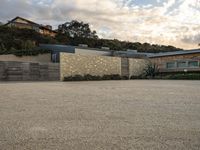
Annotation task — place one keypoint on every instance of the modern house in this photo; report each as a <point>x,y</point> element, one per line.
<point>82,60</point>
<point>178,61</point>
<point>20,22</point>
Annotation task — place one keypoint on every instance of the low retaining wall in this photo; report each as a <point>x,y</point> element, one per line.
<point>26,71</point>
<point>44,58</point>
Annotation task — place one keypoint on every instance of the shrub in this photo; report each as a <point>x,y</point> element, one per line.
<point>151,71</point>
<point>89,77</point>
<point>112,77</point>
<point>33,52</point>
<point>183,76</point>
<point>125,78</point>
<point>74,78</point>
<point>93,78</point>
<point>138,77</point>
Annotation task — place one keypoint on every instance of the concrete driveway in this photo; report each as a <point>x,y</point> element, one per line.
<point>104,115</point>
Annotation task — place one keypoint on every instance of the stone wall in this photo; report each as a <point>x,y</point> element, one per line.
<point>26,71</point>
<point>137,66</point>
<point>40,58</point>
<point>76,64</point>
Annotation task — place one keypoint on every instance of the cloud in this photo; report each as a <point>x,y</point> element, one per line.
<point>192,39</point>
<point>156,21</point>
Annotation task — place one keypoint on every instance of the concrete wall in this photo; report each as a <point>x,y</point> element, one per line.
<point>86,51</point>
<point>40,58</point>
<point>26,71</point>
<point>74,64</point>
<point>137,66</point>
<point>124,67</point>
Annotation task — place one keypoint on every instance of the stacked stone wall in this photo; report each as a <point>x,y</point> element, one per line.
<point>26,71</point>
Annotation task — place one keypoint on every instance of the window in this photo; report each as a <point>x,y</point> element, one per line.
<point>170,65</point>
<point>181,64</point>
<point>193,64</point>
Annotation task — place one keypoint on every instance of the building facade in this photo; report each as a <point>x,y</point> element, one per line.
<point>177,61</point>
<point>183,61</point>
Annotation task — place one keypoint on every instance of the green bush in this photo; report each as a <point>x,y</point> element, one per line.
<point>112,77</point>
<point>33,52</point>
<point>183,76</point>
<point>92,78</point>
<point>74,78</point>
<point>138,77</point>
<point>89,77</point>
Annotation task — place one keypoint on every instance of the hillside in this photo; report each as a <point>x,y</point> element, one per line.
<point>25,42</point>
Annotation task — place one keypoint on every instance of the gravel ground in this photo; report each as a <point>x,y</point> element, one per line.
<point>104,115</point>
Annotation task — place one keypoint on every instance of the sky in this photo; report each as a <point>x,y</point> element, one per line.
<point>167,22</point>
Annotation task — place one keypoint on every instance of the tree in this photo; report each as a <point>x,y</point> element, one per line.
<point>62,38</point>
<point>77,29</point>
<point>2,48</point>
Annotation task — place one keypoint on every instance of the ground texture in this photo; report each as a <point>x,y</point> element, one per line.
<point>104,115</point>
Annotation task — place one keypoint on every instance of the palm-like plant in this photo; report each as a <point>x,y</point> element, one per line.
<point>151,70</point>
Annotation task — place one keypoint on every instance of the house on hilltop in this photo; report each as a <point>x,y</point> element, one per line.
<point>20,22</point>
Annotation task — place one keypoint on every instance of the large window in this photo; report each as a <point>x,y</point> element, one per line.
<point>193,64</point>
<point>181,64</point>
<point>171,65</point>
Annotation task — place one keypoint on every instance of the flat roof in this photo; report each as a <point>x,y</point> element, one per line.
<point>60,48</point>
<point>69,48</point>
<point>96,49</point>
<point>184,52</point>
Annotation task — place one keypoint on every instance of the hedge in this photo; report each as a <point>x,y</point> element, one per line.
<point>94,78</point>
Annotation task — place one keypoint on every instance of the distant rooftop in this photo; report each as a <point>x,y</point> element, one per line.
<point>31,22</point>
<point>60,48</point>
<point>96,49</point>
<point>184,52</point>
<point>69,48</point>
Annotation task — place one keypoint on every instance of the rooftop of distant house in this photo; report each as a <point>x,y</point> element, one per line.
<point>31,22</point>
